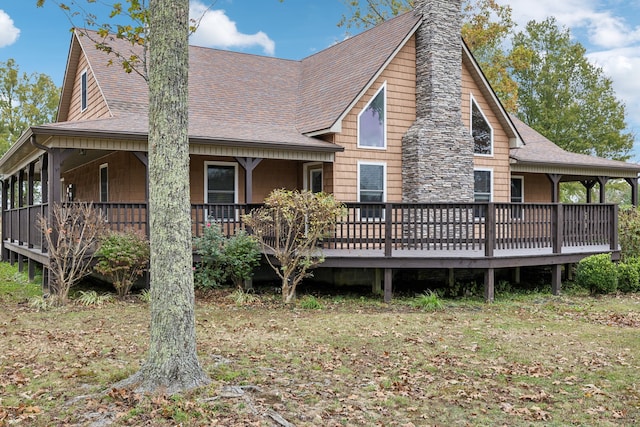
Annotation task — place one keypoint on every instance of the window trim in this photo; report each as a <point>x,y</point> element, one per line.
<point>473,101</point>
<point>382,87</point>
<point>206,179</point>
<point>105,167</point>
<point>306,170</point>
<point>490,170</point>
<point>384,188</point>
<point>84,90</point>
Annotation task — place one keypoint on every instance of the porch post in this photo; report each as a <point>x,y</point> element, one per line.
<point>144,159</point>
<point>555,186</point>
<point>602,180</point>
<point>44,177</point>
<point>633,182</point>
<point>613,230</point>
<point>588,185</point>
<point>4,196</point>
<point>32,169</point>
<point>557,228</point>
<point>490,230</point>
<point>249,164</point>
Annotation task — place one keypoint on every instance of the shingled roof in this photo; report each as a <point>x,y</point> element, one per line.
<point>539,153</point>
<point>247,98</point>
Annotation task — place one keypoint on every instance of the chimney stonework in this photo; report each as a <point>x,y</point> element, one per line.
<point>437,159</point>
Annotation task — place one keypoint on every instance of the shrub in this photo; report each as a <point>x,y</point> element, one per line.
<point>629,275</point>
<point>122,258</point>
<point>598,274</point>
<point>210,271</point>
<point>72,234</point>
<point>629,232</point>
<point>223,259</point>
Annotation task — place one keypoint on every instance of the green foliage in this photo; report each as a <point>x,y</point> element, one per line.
<point>629,275</point>
<point>240,297</point>
<point>15,286</point>
<point>122,258</point>
<point>223,258</point>
<point>145,296</point>
<point>565,97</point>
<point>290,226</point>
<point>309,302</point>
<point>90,298</point>
<point>428,301</point>
<point>629,232</point>
<point>25,100</point>
<point>598,274</point>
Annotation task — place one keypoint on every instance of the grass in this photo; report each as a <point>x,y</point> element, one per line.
<point>528,360</point>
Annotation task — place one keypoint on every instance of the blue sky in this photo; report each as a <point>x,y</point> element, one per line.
<point>38,38</point>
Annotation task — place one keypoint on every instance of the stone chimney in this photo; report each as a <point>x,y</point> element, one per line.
<point>437,159</point>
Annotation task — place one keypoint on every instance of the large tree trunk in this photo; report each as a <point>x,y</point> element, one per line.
<point>172,364</point>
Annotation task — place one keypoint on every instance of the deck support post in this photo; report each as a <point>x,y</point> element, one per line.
<point>452,277</point>
<point>517,275</point>
<point>376,287</point>
<point>20,263</point>
<point>31,269</point>
<point>388,284</point>
<point>12,257</point>
<point>489,284</point>
<point>556,279</point>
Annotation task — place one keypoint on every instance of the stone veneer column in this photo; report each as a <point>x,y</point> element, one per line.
<point>437,159</point>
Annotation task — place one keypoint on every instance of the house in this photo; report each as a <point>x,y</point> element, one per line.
<point>398,122</point>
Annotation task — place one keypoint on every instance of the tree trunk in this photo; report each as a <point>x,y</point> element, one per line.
<point>172,364</point>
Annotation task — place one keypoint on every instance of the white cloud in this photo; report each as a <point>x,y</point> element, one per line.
<point>217,30</point>
<point>8,31</point>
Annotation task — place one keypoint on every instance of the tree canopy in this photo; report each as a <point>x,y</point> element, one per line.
<point>565,97</point>
<point>25,100</point>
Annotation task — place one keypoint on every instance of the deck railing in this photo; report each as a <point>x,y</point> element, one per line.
<point>390,227</point>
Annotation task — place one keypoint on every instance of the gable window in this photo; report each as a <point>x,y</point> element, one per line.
<point>372,185</point>
<point>83,90</point>
<point>372,122</point>
<point>481,131</point>
<point>104,183</point>
<point>482,185</point>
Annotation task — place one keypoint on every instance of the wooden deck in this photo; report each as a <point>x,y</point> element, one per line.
<point>394,235</point>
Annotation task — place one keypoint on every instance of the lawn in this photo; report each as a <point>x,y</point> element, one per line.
<point>524,360</point>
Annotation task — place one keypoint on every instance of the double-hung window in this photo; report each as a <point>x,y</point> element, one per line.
<point>517,196</point>
<point>221,187</point>
<point>482,189</point>
<point>372,121</point>
<point>372,188</point>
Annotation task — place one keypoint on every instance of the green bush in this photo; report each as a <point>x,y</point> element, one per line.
<point>223,259</point>
<point>428,301</point>
<point>629,232</point>
<point>629,275</point>
<point>122,258</point>
<point>598,274</point>
<point>209,272</point>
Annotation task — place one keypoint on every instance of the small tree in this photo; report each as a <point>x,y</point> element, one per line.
<point>122,258</point>
<point>73,236</point>
<point>289,227</point>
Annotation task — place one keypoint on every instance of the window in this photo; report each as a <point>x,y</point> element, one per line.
<point>372,122</point>
<point>104,183</point>
<point>83,90</point>
<point>481,190</point>
<point>371,188</point>
<point>517,196</point>
<point>481,131</point>
<point>221,183</point>
<point>313,177</point>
